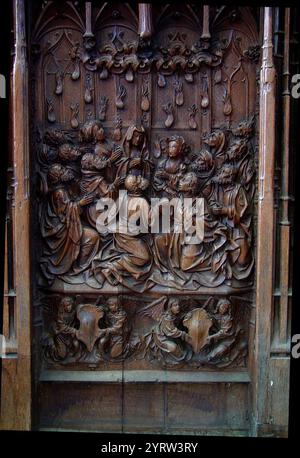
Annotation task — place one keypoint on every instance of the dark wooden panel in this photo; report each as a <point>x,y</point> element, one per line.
<point>210,407</point>
<point>85,407</point>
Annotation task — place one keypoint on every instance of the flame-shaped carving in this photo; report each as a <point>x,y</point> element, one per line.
<point>59,83</point>
<point>117,135</point>
<point>169,110</point>
<point>145,105</point>
<point>161,80</point>
<point>227,110</point>
<point>103,107</point>
<point>121,94</point>
<point>50,110</point>
<point>74,107</point>
<point>192,115</point>
<point>178,93</point>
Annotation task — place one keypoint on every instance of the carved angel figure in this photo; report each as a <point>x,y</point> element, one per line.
<point>62,339</point>
<point>114,340</point>
<point>167,341</point>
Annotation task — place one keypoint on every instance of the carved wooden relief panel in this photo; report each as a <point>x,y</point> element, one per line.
<point>159,102</point>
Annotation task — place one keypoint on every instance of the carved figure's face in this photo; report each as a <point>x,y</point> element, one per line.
<point>99,134</point>
<point>67,174</point>
<point>215,139</point>
<point>136,183</point>
<point>67,304</point>
<point>212,139</point>
<point>68,152</point>
<point>174,148</point>
<point>226,175</point>
<point>237,150</point>
<point>59,173</point>
<point>224,308</point>
<point>137,138</point>
<point>188,183</point>
<point>175,308</point>
<point>113,306</point>
<point>203,162</point>
<point>87,161</point>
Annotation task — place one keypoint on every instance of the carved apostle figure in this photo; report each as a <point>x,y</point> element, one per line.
<point>239,155</point>
<point>216,140</point>
<point>94,182</point>
<point>114,340</point>
<point>93,132</point>
<point>209,255</point>
<point>61,341</point>
<point>228,202</point>
<point>69,245</point>
<point>127,259</point>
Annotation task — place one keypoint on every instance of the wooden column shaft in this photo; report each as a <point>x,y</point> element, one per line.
<point>16,376</point>
<point>266,224</point>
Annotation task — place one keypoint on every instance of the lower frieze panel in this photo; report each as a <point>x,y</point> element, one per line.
<point>88,332</point>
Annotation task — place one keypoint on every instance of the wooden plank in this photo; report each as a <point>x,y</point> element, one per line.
<point>145,376</point>
<point>83,407</point>
<point>210,407</point>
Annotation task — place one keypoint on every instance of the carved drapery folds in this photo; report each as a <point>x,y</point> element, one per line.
<point>160,108</point>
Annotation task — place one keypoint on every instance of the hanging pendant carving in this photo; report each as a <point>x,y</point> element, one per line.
<point>103,104</point>
<point>192,115</point>
<point>59,83</point>
<point>74,107</point>
<point>169,110</point>
<point>50,110</point>
<point>121,94</point>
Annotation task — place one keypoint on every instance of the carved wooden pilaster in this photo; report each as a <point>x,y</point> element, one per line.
<point>264,383</point>
<point>284,220</point>
<point>16,375</point>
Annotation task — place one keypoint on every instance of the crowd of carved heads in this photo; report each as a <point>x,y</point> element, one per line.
<point>76,171</point>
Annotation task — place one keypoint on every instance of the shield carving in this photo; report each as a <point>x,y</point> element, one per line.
<point>198,324</point>
<point>89,331</point>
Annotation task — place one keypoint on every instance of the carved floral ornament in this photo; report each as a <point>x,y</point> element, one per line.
<point>119,55</point>
<point>137,56</point>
